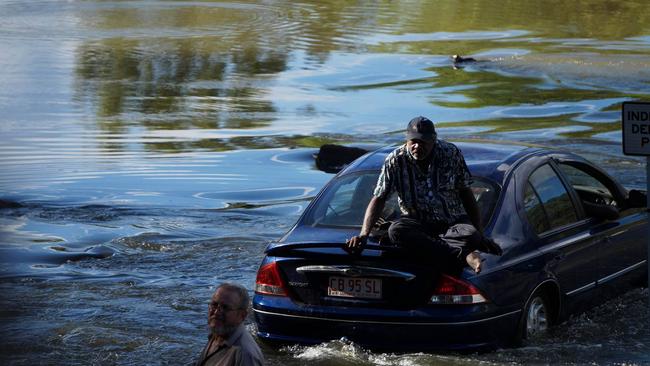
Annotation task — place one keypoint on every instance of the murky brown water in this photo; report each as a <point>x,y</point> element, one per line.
<point>150,149</point>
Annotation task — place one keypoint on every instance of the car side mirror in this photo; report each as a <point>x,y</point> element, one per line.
<point>605,212</point>
<point>637,198</point>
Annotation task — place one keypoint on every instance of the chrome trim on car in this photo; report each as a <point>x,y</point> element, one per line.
<point>387,322</point>
<point>565,242</point>
<point>586,287</point>
<point>608,278</point>
<point>622,272</point>
<point>619,233</point>
<point>356,271</point>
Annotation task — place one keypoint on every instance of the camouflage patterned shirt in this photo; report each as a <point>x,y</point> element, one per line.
<point>430,196</point>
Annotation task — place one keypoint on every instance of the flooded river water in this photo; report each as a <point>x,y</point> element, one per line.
<point>150,150</point>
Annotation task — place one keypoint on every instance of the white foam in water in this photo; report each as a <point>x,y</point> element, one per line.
<point>621,336</point>
<point>344,352</point>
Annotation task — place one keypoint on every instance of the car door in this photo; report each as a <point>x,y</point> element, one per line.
<point>621,252</point>
<point>570,251</point>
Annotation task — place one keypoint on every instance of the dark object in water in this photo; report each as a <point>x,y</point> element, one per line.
<point>460,59</point>
<point>9,204</point>
<point>332,158</point>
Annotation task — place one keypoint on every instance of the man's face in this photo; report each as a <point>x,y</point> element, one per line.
<point>224,312</point>
<point>419,149</point>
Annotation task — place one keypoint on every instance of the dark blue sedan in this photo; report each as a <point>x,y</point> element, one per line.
<point>572,237</point>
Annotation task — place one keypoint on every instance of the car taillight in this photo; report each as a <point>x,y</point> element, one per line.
<point>269,281</point>
<point>452,290</point>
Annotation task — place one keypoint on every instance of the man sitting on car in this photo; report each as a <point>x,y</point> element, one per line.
<point>440,218</point>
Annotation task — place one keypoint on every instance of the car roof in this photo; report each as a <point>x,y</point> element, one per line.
<point>490,160</point>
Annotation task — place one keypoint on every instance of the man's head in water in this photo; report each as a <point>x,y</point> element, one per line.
<point>227,309</point>
<point>420,137</point>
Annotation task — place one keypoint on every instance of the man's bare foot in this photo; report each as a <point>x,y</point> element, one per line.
<point>474,261</point>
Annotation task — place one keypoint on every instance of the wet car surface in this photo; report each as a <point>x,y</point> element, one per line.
<point>568,230</point>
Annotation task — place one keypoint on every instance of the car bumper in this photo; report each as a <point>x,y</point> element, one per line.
<point>426,329</point>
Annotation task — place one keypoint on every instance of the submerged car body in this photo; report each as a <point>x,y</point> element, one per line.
<point>570,239</point>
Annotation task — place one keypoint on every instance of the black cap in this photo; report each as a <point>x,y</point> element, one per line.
<point>421,128</point>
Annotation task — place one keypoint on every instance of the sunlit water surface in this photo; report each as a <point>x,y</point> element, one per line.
<point>151,149</point>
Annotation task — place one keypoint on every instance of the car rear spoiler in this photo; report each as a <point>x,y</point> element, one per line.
<point>281,250</point>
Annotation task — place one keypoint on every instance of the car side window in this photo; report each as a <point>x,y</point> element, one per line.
<point>553,198</point>
<point>589,188</point>
<point>536,215</point>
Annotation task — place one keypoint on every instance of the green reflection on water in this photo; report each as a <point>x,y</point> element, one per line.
<point>208,66</point>
<point>249,143</point>
<point>600,19</point>
<point>492,89</point>
<point>122,76</point>
<point>580,129</point>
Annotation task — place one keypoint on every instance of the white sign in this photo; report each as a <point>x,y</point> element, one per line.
<point>636,128</point>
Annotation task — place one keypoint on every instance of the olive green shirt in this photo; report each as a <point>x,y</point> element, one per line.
<point>239,349</point>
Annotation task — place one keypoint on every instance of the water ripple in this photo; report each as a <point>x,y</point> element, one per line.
<point>447,36</point>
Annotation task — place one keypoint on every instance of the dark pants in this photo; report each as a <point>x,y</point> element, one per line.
<point>441,245</point>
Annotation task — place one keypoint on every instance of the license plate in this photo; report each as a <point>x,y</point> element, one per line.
<point>354,287</point>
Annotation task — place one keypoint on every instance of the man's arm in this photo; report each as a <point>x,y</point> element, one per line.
<point>471,207</point>
<point>356,243</point>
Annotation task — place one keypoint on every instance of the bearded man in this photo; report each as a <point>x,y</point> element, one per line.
<point>229,343</point>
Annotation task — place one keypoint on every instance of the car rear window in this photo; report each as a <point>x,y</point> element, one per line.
<point>343,202</point>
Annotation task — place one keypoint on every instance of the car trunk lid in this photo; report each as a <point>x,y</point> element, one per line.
<point>324,274</point>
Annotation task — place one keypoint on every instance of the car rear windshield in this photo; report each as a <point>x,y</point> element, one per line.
<point>344,201</point>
